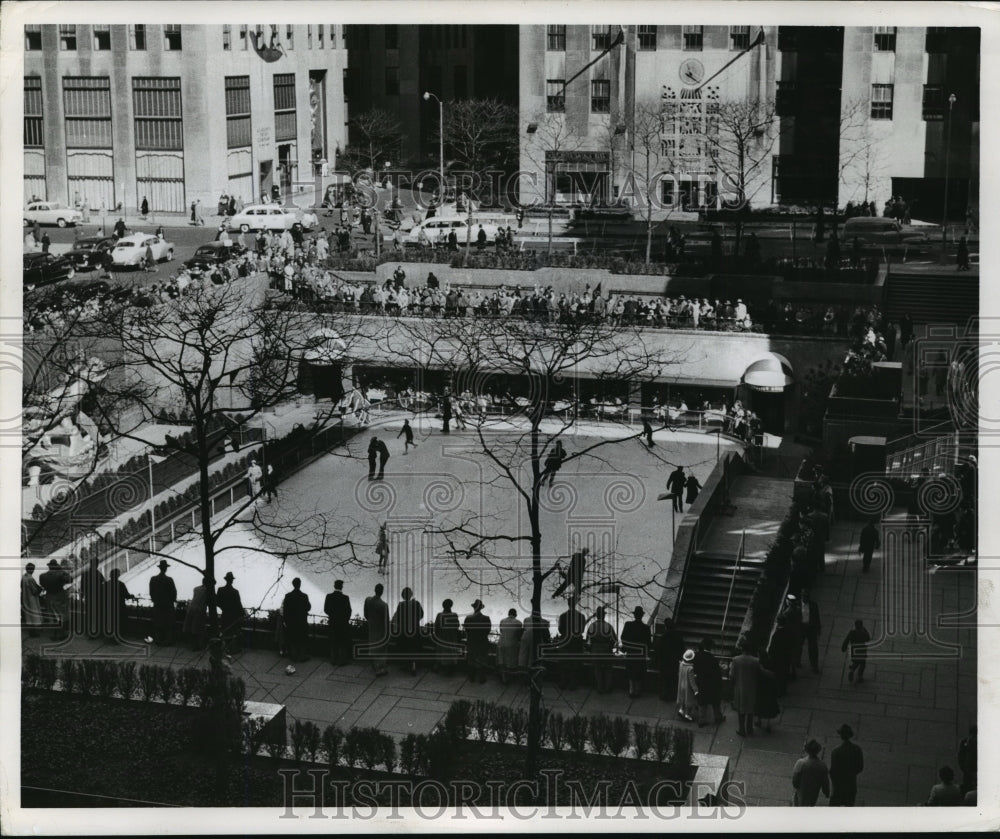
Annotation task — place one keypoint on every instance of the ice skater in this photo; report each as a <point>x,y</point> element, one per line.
<point>554,462</point>
<point>372,457</point>
<point>647,432</point>
<point>382,549</point>
<point>383,457</point>
<point>408,440</point>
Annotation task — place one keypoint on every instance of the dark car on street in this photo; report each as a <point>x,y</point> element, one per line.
<point>91,252</point>
<point>46,268</point>
<point>214,253</point>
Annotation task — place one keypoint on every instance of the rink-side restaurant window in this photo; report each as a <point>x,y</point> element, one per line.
<point>555,38</point>
<point>647,37</point>
<point>172,37</point>
<point>67,37</point>
<point>882,101</point>
<point>137,36</point>
<point>885,39</point>
<point>34,134</point>
<point>32,37</point>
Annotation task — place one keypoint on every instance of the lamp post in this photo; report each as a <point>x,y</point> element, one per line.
<point>947,161</point>
<point>427,97</point>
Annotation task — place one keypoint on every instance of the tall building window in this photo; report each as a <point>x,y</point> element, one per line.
<point>461,81</point>
<point>87,106</point>
<point>102,36</point>
<point>392,81</point>
<point>600,37</point>
<point>156,103</point>
<point>555,96</point>
<point>137,36</point>
<point>933,103</point>
<point>694,37</point>
<point>309,36</point>
<point>32,37</point>
<point>67,37</point>
<point>333,37</point>
<point>647,37</point>
<point>739,37</point>
<point>600,96</point>
<point>34,136</point>
<point>881,101</point>
<point>237,111</point>
<point>284,106</point>
<point>392,37</point>
<point>172,36</point>
<point>227,36</point>
<point>935,39</point>
<point>290,36</point>
<point>243,37</point>
<point>320,34</point>
<point>885,38</point>
<point>555,38</point>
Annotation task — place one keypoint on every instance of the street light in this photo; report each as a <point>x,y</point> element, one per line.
<point>427,98</point>
<point>947,161</point>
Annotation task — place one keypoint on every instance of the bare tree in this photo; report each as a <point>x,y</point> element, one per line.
<point>481,135</point>
<point>520,447</point>
<point>552,136</point>
<point>648,142</point>
<point>377,136</point>
<point>862,161</point>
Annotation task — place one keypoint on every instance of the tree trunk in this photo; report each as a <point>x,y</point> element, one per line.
<point>205,503</point>
<point>535,703</point>
<point>649,215</point>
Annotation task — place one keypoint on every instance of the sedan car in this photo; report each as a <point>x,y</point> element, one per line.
<point>51,212</point>
<point>873,230</point>
<point>212,254</point>
<point>91,252</point>
<point>271,217</point>
<point>131,250</point>
<point>45,268</point>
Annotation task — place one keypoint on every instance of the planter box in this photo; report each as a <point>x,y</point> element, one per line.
<point>861,406</point>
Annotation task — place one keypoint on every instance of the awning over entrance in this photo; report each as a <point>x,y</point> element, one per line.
<point>324,347</point>
<point>770,374</point>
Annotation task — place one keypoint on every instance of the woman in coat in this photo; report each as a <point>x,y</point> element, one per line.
<point>406,627</point>
<point>446,643</point>
<point>509,644</point>
<point>693,488</point>
<point>766,706</point>
<point>636,643</point>
<point>687,688</point>
<point>196,617</point>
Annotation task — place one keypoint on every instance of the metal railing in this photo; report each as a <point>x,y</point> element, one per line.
<point>732,585</point>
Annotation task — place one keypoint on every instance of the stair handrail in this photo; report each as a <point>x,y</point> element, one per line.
<point>732,585</point>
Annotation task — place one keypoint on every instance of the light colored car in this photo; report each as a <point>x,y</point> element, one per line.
<point>873,230</point>
<point>131,250</point>
<point>271,217</point>
<point>51,212</point>
<point>438,228</point>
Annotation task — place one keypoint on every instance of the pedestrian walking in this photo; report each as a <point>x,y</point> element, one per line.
<point>295,608</point>
<point>383,458</point>
<point>382,549</point>
<point>31,603</point>
<point>636,644</point>
<point>809,637</point>
<point>406,432</point>
<point>687,688</point>
<point>509,644</point>
<point>810,777</point>
<point>668,647</point>
<point>647,432</point>
<point>856,644</point>
<point>149,261</point>
<point>868,544</point>
<point>693,488</point>
<point>446,415</point>
<point>744,676</point>
<point>254,476</point>
<point>946,793</point>
<point>675,486</point>
<point>46,241</point>
<point>144,207</point>
<point>708,675</point>
<point>477,637</point>
<point>405,628</point>
<point>116,595</point>
<point>337,607</point>
<point>270,484</point>
<point>766,707</point>
<point>446,640</point>
<point>602,639</point>
<point>163,593</point>
<point>196,616</point>
<point>377,618</point>
<point>231,614</point>
<point>372,457</point>
<point>846,762</point>
<point>963,254</point>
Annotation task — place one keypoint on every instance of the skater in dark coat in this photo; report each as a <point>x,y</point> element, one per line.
<point>383,457</point>
<point>372,457</point>
<point>407,433</point>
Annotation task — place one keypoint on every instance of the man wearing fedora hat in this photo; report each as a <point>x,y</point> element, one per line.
<point>31,606</point>
<point>55,581</point>
<point>846,763</point>
<point>230,606</point>
<point>163,593</point>
<point>477,636</point>
<point>636,643</point>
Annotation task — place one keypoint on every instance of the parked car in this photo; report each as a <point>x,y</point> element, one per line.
<point>872,230</point>
<point>51,212</point>
<point>131,250</point>
<point>211,254</point>
<point>91,252</point>
<point>46,268</point>
<point>271,217</point>
<point>438,228</point>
